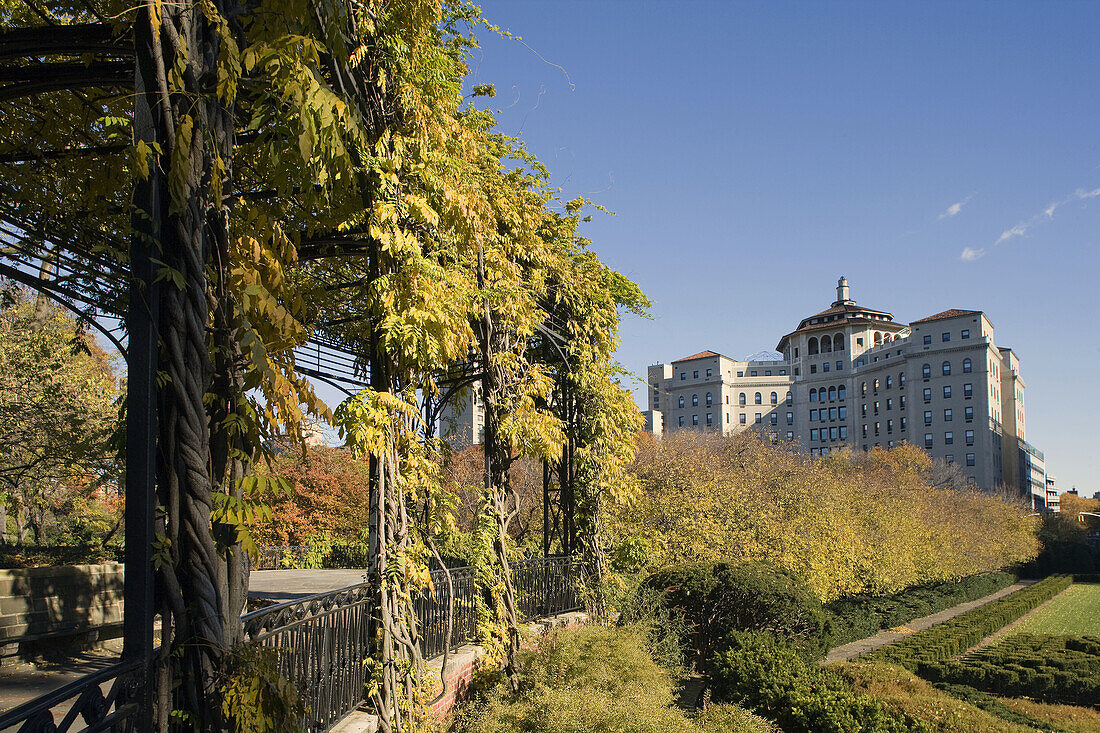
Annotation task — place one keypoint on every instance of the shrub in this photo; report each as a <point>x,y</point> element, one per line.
<point>592,679</point>
<point>1049,668</point>
<point>725,718</point>
<point>858,617</point>
<point>719,599</point>
<point>955,636</point>
<point>771,677</point>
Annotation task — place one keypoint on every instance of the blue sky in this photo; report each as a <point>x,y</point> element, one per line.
<point>754,152</point>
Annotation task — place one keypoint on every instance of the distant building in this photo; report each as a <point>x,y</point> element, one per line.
<point>462,422</point>
<point>1052,503</point>
<point>851,376</point>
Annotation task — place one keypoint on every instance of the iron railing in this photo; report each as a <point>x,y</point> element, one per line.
<point>322,642</point>
<point>281,556</point>
<point>81,705</point>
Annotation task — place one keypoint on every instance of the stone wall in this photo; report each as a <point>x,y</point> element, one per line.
<point>55,608</point>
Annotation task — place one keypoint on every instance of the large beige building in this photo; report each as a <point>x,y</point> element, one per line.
<point>852,377</point>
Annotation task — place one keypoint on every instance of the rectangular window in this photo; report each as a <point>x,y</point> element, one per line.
<point>859,341</point>
<point>743,418</point>
<point>813,434</point>
<point>825,367</point>
<point>842,413</point>
<point>928,440</point>
<point>694,419</point>
<point>965,333</point>
<point>901,402</point>
<point>903,423</point>
<point>970,459</point>
<point>968,413</point>
<point>681,421</point>
<point>790,435</point>
<point>843,432</point>
<point>889,404</point>
<point>839,366</point>
<point>710,418</point>
<point>889,427</point>
<point>832,433</point>
<point>813,368</point>
<point>928,340</point>
<point>949,458</point>
<point>759,418</point>
<point>889,382</point>
<point>782,372</point>
<point>864,431</point>
<point>968,391</point>
<point>709,372</point>
<point>875,406</point>
<point>775,418</point>
<point>740,374</point>
<point>863,410</point>
<point>946,336</point>
<point>876,429</point>
<point>790,418</point>
<point>947,391</point>
<point>752,373</point>
<point>948,438</point>
<point>813,415</point>
<point>767,372</point>
<point>970,437</point>
<point>947,414</point>
<point>695,374</point>
<point>683,376</point>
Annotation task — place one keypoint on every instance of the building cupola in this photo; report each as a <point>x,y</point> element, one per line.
<point>842,294</point>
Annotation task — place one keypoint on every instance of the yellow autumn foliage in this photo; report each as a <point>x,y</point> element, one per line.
<point>848,523</point>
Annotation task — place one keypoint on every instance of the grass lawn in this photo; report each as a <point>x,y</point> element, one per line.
<point>1075,612</point>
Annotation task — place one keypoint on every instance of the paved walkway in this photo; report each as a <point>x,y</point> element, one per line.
<point>287,585</point>
<point>864,646</point>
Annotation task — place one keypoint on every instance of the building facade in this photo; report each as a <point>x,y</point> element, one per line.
<point>853,377</point>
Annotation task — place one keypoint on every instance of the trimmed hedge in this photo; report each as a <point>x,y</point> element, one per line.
<point>775,680</point>
<point>1063,669</point>
<point>859,617</point>
<point>954,637</point>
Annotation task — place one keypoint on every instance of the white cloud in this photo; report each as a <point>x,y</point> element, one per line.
<point>969,254</point>
<point>1081,194</point>
<point>1017,231</point>
<point>954,208</point>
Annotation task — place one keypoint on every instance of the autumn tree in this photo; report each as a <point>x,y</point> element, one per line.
<point>848,523</point>
<point>58,413</point>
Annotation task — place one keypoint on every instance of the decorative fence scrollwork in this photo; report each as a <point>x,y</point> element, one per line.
<point>81,704</point>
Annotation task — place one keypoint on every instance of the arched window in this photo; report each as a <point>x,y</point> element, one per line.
<point>759,399</point>
<point>775,398</point>
<point>811,346</point>
<point>878,337</point>
<point>790,398</point>
<point>968,366</point>
<point>832,393</point>
<point>826,345</point>
<point>709,399</point>
<point>841,392</point>
<point>926,371</point>
<point>813,395</point>
<point>694,400</point>
<point>947,369</point>
<point>901,379</point>
<point>741,399</point>
<point>838,342</point>
<point>863,389</point>
<point>681,400</point>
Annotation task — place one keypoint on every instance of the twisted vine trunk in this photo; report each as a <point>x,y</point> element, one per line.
<point>201,603</point>
<point>498,495</point>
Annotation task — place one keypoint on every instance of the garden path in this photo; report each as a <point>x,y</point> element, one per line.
<point>858,648</point>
